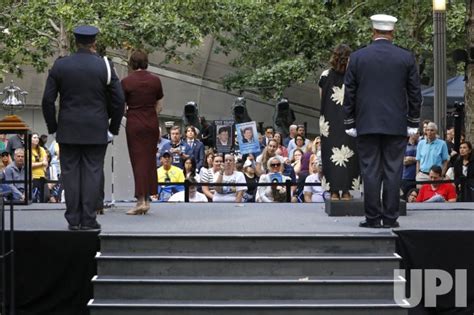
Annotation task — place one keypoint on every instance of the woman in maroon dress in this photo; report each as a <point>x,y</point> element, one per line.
<point>143,95</point>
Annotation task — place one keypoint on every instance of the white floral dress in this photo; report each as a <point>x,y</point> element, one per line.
<point>338,150</point>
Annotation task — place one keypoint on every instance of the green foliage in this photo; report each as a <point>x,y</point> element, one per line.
<point>283,42</point>
<point>32,31</point>
<point>278,43</point>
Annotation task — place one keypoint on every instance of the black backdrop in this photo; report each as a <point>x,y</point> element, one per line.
<point>446,250</point>
<point>54,268</point>
<point>53,271</point>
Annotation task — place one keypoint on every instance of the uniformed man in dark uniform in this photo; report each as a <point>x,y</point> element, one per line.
<point>90,95</point>
<point>382,102</point>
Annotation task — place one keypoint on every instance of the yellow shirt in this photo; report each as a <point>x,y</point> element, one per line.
<point>173,175</point>
<point>38,171</point>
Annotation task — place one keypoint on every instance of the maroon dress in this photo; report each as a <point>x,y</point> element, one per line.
<point>142,90</point>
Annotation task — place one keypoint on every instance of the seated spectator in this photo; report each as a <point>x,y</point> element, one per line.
<point>194,195</point>
<point>207,164</point>
<point>436,192</point>
<point>190,169</point>
<point>6,160</point>
<point>228,174</point>
<point>296,161</point>
<point>262,159</point>
<point>277,191</point>
<point>409,165</point>
<point>299,145</point>
<point>16,172</point>
<point>412,194</point>
<point>464,173</point>
<point>281,150</point>
<point>314,193</point>
<point>208,177</point>
<point>168,173</point>
<point>251,179</point>
<point>300,131</point>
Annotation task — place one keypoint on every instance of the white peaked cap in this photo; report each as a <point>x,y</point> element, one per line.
<point>383,22</point>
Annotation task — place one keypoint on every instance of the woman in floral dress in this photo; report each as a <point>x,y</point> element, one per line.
<point>338,150</point>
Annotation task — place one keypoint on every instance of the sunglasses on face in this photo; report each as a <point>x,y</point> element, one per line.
<point>275,165</point>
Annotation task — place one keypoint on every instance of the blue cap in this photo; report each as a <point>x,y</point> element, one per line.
<point>85,34</point>
<point>166,152</point>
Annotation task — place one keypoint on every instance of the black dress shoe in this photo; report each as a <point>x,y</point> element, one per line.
<point>95,226</point>
<point>391,224</point>
<point>370,224</point>
<point>74,227</point>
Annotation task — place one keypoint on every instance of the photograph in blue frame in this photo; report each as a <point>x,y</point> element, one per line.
<point>247,137</point>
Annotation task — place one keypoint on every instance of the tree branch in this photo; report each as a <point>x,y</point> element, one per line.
<point>56,28</point>
<point>46,35</point>
<point>357,6</point>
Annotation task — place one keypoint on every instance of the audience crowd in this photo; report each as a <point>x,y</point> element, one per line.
<point>293,158</point>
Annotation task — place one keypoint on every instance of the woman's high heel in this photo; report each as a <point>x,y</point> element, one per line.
<point>139,209</point>
<point>145,208</point>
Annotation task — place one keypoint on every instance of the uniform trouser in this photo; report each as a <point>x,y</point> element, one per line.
<point>381,163</point>
<point>82,169</point>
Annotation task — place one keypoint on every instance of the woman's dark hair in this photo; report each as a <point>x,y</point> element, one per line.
<point>469,145</point>
<point>340,58</point>
<point>281,138</point>
<point>42,140</point>
<point>410,192</point>
<point>193,166</point>
<point>37,148</point>
<point>208,152</point>
<point>138,60</point>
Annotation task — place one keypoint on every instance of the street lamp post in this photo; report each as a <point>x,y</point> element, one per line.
<point>439,58</point>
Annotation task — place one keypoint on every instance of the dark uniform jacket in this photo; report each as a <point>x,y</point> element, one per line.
<point>382,90</point>
<point>86,101</point>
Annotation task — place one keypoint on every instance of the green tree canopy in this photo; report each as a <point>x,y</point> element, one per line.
<point>278,43</point>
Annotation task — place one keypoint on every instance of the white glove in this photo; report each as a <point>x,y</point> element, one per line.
<point>110,137</point>
<point>352,132</point>
<point>411,131</point>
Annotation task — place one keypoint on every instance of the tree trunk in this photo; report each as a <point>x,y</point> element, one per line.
<point>469,122</point>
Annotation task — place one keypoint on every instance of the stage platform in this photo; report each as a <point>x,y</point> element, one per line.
<point>231,218</point>
<point>54,266</point>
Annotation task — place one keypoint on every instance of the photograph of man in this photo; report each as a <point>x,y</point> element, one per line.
<point>247,135</point>
<point>223,141</point>
<point>247,138</point>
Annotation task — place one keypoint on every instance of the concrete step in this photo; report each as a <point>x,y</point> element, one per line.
<point>247,266</point>
<point>243,288</point>
<point>277,244</point>
<point>236,307</point>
